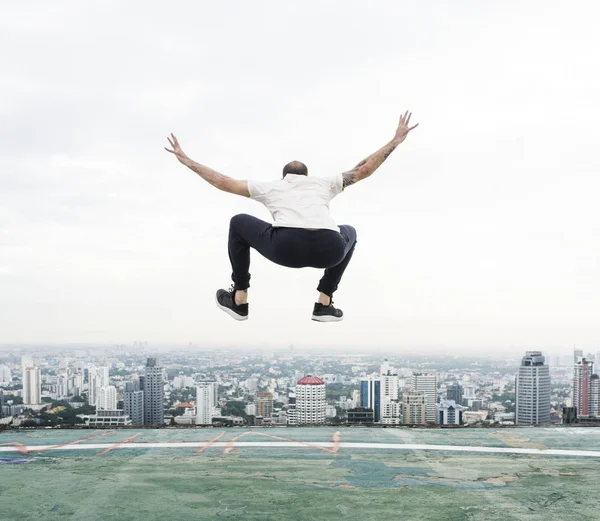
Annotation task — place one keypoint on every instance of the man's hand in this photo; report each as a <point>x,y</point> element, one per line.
<point>176,148</point>
<point>403,128</point>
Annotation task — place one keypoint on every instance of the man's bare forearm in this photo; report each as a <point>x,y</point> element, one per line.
<point>367,166</point>
<point>216,179</point>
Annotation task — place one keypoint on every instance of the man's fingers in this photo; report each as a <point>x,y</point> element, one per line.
<point>175,139</point>
<point>414,126</point>
<point>170,142</point>
<point>172,151</point>
<point>408,119</point>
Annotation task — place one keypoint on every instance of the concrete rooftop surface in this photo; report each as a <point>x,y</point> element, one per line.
<point>263,474</point>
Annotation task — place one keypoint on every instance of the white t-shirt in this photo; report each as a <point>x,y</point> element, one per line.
<point>299,201</point>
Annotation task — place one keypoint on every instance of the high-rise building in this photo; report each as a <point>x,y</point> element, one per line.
<point>449,413</point>
<point>533,390</point>
<point>5,375</point>
<point>310,400</point>
<point>206,402</point>
<point>97,378</point>
<point>1,402</point>
<point>264,404</point>
<point>32,383</point>
<point>454,392</point>
<point>107,399</point>
<point>154,394</point>
<point>370,395</point>
<point>582,378</point>
<point>427,384</point>
<point>414,407</point>
<point>594,404</point>
<point>390,406</point>
<point>133,402</point>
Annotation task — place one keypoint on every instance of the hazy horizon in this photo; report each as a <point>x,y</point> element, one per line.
<point>479,232</point>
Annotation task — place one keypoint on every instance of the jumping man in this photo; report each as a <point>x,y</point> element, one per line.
<point>303,234</point>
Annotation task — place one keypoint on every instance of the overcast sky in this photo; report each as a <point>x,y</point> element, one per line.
<point>481,231</point>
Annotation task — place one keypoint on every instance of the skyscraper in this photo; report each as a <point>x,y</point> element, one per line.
<point>264,404</point>
<point>5,375</point>
<point>454,392</point>
<point>32,383</point>
<point>390,407</point>
<point>533,390</point>
<point>582,377</point>
<point>427,384</point>
<point>310,400</point>
<point>154,394</point>
<point>107,398</point>
<point>133,402</point>
<point>206,402</point>
<point>370,396</point>
<point>97,378</point>
<point>414,407</point>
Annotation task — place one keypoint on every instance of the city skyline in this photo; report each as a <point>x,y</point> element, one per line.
<point>492,200</point>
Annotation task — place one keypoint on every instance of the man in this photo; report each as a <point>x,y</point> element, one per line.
<point>303,234</point>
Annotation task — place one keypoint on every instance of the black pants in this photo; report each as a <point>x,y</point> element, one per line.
<point>291,247</point>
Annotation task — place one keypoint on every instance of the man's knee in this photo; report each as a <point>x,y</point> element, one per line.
<point>349,232</point>
<point>237,221</point>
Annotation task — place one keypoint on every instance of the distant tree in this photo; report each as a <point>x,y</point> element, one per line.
<point>16,400</point>
<point>234,408</point>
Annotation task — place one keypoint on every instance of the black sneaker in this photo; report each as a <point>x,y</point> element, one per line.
<point>322,313</point>
<point>226,301</point>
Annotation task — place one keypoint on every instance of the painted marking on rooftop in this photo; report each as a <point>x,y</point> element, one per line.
<point>210,443</point>
<point>74,442</point>
<point>329,446</point>
<point>109,447</point>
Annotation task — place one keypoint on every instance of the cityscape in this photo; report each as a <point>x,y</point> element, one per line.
<point>123,386</point>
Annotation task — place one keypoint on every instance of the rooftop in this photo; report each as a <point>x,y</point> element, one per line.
<point>506,474</point>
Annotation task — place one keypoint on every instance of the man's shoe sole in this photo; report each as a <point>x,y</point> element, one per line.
<point>327,318</point>
<point>230,311</point>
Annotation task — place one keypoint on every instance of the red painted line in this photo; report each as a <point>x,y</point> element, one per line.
<point>305,443</point>
<point>210,443</point>
<point>230,446</point>
<point>75,442</point>
<point>20,447</point>
<point>112,447</point>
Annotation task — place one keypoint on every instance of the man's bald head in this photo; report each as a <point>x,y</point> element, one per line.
<point>296,168</point>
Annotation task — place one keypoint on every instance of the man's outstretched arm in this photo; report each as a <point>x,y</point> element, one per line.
<point>367,166</point>
<point>220,181</point>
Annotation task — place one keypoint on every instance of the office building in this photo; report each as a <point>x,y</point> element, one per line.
<point>454,392</point>
<point>449,413</point>
<point>310,401</point>
<point>106,418</point>
<point>360,415</point>
<point>370,396</point>
<point>264,404</point>
<point>414,407</point>
<point>533,390</point>
<point>427,384</point>
<point>582,379</point>
<point>154,393</point>
<point>133,402</point>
